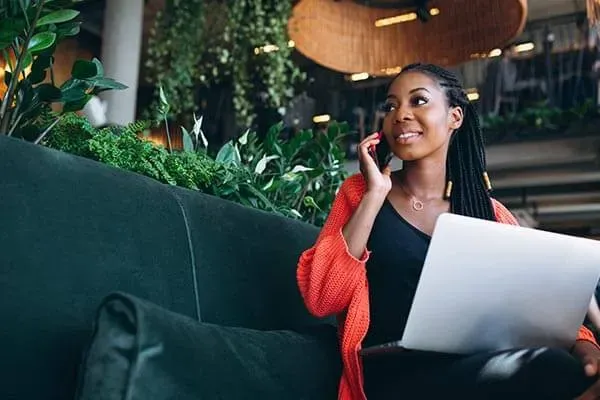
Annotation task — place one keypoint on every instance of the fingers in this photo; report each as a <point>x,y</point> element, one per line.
<point>590,365</point>
<point>371,137</point>
<point>364,156</point>
<point>591,369</point>
<point>370,140</point>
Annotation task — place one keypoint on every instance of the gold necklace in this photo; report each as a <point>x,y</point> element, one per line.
<point>416,204</point>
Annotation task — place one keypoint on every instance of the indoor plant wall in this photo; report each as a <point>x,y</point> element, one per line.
<point>29,33</point>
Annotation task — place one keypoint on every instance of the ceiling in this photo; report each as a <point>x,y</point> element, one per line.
<point>538,9</point>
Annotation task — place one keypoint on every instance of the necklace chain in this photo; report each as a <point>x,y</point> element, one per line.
<point>416,204</point>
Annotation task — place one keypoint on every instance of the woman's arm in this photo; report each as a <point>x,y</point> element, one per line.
<point>329,272</point>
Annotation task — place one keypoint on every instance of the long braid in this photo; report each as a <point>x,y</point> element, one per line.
<point>466,161</point>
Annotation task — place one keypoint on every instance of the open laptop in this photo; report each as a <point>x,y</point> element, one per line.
<point>488,286</point>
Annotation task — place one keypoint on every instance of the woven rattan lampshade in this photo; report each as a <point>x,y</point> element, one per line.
<point>342,35</point>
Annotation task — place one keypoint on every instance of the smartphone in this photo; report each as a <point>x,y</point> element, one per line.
<point>381,153</point>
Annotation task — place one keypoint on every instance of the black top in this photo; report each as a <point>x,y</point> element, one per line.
<point>398,252</point>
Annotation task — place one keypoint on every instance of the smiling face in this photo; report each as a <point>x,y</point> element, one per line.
<point>419,122</point>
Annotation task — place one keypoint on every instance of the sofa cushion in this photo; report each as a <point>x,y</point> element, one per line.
<point>141,351</point>
<point>246,263</point>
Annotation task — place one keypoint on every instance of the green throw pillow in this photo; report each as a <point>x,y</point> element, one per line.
<point>140,351</point>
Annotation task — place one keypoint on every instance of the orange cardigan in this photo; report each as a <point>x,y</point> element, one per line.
<point>332,281</point>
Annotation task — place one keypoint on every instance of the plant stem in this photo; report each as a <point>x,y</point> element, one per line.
<point>15,76</point>
<point>304,191</point>
<point>15,124</point>
<point>52,71</point>
<point>168,135</point>
<point>43,135</point>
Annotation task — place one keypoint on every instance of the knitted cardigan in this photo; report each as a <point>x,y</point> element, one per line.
<point>332,281</point>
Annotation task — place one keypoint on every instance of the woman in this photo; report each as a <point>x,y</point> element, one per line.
<point>371,250</point>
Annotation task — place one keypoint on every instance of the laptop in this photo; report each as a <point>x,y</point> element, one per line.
<point>488,286</point>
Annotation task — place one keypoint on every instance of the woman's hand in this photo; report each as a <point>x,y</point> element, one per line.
<point>589,354</point>
<point>378,183</point>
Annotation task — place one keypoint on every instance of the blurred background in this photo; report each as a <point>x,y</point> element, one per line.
<point>530,67</point>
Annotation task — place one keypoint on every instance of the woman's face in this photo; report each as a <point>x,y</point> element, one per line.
<point>418,121</point>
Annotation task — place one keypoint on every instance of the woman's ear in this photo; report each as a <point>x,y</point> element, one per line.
<point>455,118</point>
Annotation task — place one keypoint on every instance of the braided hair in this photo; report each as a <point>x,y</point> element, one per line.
<point>468,184</point>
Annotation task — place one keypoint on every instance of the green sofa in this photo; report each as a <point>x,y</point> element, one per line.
<point>211,284</point>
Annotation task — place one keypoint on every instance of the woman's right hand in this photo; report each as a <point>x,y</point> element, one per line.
<point>378,183</point>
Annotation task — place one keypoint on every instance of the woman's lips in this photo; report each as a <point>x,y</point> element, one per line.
<point>408,137</point>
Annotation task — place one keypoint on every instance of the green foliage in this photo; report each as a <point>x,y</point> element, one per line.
<point>31,31</point>
<point>541,120</point>
<point>224,40</point>
<point>297,177</point>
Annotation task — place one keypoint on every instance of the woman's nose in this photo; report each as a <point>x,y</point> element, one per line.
<point>403,114</point>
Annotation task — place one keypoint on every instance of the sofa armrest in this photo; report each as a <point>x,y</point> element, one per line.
<point>142,351</point>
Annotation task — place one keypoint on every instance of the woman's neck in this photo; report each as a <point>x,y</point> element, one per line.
<point>424,179</point>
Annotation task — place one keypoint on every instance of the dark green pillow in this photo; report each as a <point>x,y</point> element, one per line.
<point>140,351</point>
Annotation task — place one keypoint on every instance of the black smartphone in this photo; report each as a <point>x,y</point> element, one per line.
<point>381,153</point>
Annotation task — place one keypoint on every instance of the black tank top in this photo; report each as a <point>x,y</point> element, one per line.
<point>398,252</point>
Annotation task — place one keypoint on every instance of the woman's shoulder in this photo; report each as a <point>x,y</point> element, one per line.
<point>354,186</point>
<point>355,181</point>
<point>503,214</point>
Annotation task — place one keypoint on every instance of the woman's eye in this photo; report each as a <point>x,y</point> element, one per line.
<point>418,101</point>
<point>388,107</point>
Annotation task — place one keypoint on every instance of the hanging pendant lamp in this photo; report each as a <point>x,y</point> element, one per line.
<point>378,37</point>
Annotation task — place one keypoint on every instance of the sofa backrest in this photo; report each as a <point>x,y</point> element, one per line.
<point>246,263</point>
<point>73,230</point>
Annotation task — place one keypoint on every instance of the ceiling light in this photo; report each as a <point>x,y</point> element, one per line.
<point>412,16</point>
<point>495,53</point>
<point>359,77</point>
<point>319,119</point>
<point>523,47</point>
<point>391,70</point>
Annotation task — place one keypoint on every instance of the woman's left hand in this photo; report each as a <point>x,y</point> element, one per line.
<point>589,354</point>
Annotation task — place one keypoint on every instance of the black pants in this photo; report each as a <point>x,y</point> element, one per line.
<point>547,374</point>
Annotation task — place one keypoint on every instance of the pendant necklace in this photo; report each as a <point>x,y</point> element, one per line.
<point>416,204</point>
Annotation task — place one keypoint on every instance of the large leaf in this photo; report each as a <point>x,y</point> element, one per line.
<point>37,76</point>
<point>24,94</point>
<point>273,135</point>
<point>42,62</point>
<point>229,154</point>
<point>262,164</point>
<point>57,17</point>
<point>188,144</point>
<point>48,92</point>
<point>41,41</point>
<point>99,67</point>
<point>27,60</point>
<point>38,68</point>
<point>74,90</point>
<point>83,69</point>
<point>7,38</point>
<point>69,29</point>
<point>10,28</point>
<point>78,104</point>
<point>260,196</point>
<point>7,78</point>
<point>102,84</point>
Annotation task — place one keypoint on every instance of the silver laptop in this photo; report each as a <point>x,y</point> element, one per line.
<point>488,286</point>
